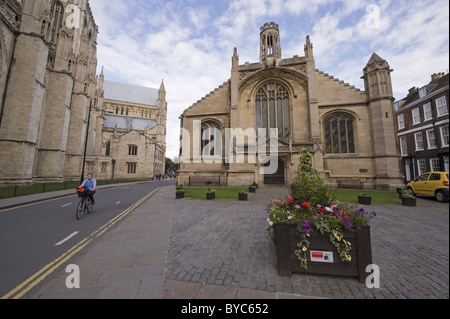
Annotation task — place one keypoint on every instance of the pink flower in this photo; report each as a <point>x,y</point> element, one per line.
<point>297,207</point>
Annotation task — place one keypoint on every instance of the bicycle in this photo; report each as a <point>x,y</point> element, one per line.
<point>85,204</point>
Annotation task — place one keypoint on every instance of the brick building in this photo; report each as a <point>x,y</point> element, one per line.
<point>423,127</point>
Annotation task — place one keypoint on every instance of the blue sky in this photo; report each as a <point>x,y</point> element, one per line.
<point>189,43</point>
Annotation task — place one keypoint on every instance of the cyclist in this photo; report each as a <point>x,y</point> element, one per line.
<point>90,187</point>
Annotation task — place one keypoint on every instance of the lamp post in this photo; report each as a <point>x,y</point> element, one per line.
<point>86,142</point>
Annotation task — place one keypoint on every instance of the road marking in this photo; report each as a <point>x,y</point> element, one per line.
<point>38,277</point>
<point>64,206</point>
<point>118,202</point>
<point>67,238</point>
<point>33,204</point>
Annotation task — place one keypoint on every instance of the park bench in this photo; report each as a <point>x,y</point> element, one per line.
<point>350,183</point>
<point>204,180</point>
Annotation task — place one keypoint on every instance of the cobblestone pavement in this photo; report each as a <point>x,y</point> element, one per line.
<point>225,243</point>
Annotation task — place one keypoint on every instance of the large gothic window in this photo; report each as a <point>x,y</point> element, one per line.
<point>273,109</point>
<point>339,133</point>
<point>211,142</point>
<point>56,21</point>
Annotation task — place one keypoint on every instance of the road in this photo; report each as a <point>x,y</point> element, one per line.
<point>32,237</point>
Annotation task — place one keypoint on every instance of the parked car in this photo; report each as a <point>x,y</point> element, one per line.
<point>434,184</point>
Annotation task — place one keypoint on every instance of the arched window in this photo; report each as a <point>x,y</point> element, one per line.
<point>339,133</point>
<point>211,138</point>
<point>273,109</point>
<point>56,21</point>
<point>108,149</point>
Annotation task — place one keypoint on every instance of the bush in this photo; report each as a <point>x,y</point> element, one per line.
<point>308,185</point>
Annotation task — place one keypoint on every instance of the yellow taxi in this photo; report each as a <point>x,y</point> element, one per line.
<point>434,184</point>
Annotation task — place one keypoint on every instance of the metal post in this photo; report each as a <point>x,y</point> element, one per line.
<point>86,142</point>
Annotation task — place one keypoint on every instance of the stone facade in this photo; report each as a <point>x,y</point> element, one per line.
<point>351,132</point>
<point>132,141</point>
<point>50,96</point>
<point>50,80</point>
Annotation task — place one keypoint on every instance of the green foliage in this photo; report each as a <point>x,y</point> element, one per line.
<point>308,185</point>
<point>408,194</point>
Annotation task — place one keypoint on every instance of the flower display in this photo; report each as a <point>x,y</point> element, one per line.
<point>331,220</point>
<point>311,208</point>
<point>340,216</point>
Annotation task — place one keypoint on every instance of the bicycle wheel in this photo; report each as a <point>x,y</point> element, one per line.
<point>80,209</point>
<point>89,206</point>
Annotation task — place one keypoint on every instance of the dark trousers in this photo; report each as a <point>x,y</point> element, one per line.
<point>90,194</point>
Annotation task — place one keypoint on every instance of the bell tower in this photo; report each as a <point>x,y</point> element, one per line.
<point>378,85</point>
<point>270,45</point>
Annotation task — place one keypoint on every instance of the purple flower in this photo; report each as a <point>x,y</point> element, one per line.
<point>358,227</point>
<point>308,224</point>
<point>305,231</point>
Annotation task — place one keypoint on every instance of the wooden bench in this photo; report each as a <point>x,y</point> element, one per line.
<point>204,180</point>
<point>350,183</point>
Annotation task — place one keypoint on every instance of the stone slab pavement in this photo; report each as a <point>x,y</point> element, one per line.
<point>198,249</point>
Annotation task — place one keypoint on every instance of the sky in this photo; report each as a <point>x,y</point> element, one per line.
<point>189,44</point>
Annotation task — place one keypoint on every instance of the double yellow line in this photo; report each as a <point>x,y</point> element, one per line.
<point>38,277</point>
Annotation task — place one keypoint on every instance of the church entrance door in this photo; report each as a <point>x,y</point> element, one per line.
<point>278,178</point>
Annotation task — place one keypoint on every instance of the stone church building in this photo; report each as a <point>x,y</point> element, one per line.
<point>132,144</point>
<point>50,95</point>
<point>351,132</point>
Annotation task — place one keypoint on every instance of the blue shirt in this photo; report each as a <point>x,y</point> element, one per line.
<point>90,184</point>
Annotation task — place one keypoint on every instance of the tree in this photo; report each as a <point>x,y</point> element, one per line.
<point>308,185</point>
<point>170,165</point>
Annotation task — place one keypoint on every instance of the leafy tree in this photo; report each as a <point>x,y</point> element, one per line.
<point>307,185</point>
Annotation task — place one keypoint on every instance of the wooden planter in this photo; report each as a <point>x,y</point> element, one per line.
<point>365,200</point>
<point>412,202</point>
<point>210,196</point>
<point>243,197</point>
<point>322,251</point>
<point>180,195</point>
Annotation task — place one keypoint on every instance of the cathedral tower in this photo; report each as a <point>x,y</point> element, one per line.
<point>50,84</point>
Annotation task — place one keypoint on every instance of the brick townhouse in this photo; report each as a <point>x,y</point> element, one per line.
<point>423,128</point>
